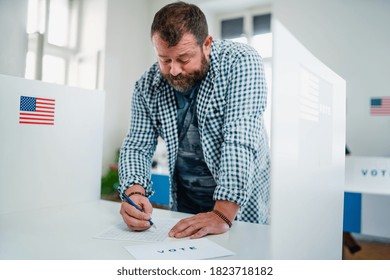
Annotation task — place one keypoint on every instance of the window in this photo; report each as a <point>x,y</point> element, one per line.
<point>233,29</point>
<point>255,30</point>
<point>53,49</point>
<point>53,69</point>
<point>262,36</point>
<point>251,29</point>
<point>59,22</point>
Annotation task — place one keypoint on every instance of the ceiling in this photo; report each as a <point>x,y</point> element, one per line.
<point>229,5</point>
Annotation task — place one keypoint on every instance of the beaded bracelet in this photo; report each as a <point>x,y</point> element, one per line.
<point>130,194</point>
<point>223,217</point>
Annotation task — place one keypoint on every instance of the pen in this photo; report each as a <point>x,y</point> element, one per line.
<point>136,207</point>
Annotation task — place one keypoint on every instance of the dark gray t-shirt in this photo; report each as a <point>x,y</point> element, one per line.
<point>195,184</point>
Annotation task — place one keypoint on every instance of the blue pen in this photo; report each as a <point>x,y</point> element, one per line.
<point>136,207</point>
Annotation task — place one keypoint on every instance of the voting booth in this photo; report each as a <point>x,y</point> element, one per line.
<point>307,149</point>
<point>367,196</point>
<point>51,144</point>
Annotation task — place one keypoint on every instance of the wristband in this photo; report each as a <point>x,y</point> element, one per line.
<point>223,217</point>
<point>130,194</point>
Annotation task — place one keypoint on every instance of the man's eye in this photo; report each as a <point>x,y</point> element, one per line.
<point>165,61</point>
<point>184,61</point>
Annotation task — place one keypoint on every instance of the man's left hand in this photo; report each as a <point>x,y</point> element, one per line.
<point>198,226</point>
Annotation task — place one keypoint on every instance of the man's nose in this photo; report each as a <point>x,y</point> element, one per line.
<point>175,69</point>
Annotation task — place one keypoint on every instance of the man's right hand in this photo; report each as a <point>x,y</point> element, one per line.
<point>135,219</point>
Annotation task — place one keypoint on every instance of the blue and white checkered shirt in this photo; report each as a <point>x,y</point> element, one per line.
<point>230,106</point>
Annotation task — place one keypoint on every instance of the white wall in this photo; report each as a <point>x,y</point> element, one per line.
<point>127,56</point>
<point>13,42</point>
<point>352,37</point>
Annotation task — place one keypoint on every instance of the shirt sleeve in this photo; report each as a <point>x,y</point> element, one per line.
<point>244,160</point>
<point>138,147</point>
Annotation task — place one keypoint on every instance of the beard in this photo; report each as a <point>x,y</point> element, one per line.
<point>183,83</point>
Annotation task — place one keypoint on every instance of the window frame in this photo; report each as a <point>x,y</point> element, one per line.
<point>38,41</point>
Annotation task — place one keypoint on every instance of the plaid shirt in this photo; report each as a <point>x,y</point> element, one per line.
<point>230,106</point>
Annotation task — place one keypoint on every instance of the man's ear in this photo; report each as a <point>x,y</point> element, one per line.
<point>207,45</point>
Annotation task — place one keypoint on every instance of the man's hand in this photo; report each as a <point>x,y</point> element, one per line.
<point>135,219</point>
<point>198,226</point>
<point>205,223</point>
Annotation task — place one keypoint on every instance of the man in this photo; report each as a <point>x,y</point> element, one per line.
<point>206,99</point>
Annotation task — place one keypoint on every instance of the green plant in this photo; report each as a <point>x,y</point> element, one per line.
<point>110,180</point>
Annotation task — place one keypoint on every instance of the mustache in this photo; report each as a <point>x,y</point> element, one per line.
<point>176,78</point>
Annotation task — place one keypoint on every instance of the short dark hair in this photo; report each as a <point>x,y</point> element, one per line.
<point>175,19</point>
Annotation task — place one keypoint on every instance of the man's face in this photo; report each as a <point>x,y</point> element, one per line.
<point>184,64</point>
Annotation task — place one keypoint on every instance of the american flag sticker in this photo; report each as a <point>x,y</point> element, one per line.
<point>35,110</point>
<point>380,106</point>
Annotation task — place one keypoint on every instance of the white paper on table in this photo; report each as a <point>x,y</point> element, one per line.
<point>122,232</point>
<point>189,249</point>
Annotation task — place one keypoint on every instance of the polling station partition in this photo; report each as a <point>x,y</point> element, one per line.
<point>50,145</point>
<point>307,152</point>
<point>367,196</point>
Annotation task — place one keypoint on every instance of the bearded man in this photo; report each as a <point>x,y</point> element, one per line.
<point>206,98</point>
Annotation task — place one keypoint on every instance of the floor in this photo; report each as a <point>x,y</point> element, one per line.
<point>370,248</point>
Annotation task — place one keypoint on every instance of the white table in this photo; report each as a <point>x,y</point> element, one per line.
<point>66,232</point>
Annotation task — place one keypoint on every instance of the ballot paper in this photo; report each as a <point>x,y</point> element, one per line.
<point>120,231</point>
<point>188,249</point>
